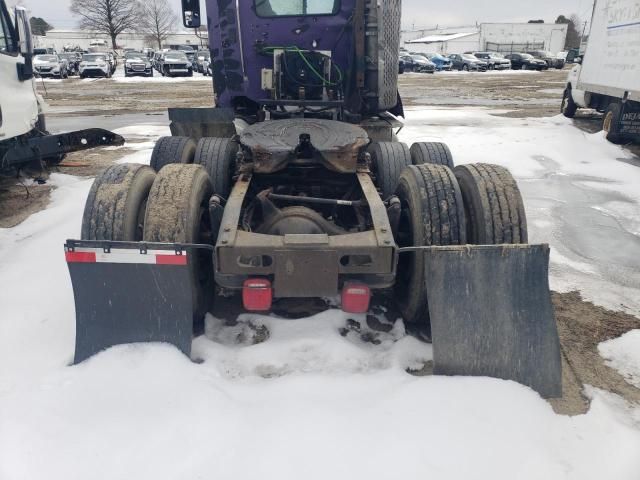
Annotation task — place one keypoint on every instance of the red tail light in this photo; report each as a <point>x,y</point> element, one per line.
<point>355,298</point>
<point>257,295</point>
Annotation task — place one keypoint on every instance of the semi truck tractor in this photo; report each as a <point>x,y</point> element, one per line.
<point>607,79</point>
<point>294,187</point>
<point>24,139</point>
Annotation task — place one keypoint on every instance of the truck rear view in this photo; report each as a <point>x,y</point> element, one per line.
<point>295,187</point>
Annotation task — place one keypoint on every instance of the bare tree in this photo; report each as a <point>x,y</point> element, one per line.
<point>157,20</point>
<point>573,36</point>
<point>111,17</point>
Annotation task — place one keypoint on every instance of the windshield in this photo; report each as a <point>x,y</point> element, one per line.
<point>175,56</point>
<point>419,58</point>
<point>468,56</point>
<point>47,58</point>
<point>133,55</point>
<point>526,56</point>
<point>94,58</point>
<point>283,8</point>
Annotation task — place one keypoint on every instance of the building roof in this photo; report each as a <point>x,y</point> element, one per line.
<point>441,37</point>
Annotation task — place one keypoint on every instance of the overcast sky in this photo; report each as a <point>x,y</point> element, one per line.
<point>421,13</point>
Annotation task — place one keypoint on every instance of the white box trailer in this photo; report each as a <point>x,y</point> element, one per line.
<point>608,78</point>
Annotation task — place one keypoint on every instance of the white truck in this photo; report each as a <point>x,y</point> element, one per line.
<point>608,78</point>
<point>24,139</point>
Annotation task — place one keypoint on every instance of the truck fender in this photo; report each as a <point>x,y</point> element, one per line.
<point>580,97</point>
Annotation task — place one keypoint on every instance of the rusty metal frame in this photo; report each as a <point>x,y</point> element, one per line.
<point>376,245</point>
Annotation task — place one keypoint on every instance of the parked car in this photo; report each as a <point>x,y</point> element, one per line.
<point>417,63</point>
<point>95,65</point>
<point>441,62</point>
<point>495,61</point>
<point>188,51</point>
<point>174,63</point>
<point>422,64</point>
<point>201,57</point>
<point>137,63</point>
<point>524,61</point>
<point>402,65</point>
<point>50,66</point>
<point>73,62</point>
<point>467,62</point>
<point>552,60</point>
<point>44,51</point>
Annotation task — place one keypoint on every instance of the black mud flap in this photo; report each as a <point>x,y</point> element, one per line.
<point>130,292</point>
<point>491,314</point>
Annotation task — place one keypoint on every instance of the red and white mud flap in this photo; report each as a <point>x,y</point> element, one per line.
<point>129,292</point>
<point>491,314</point>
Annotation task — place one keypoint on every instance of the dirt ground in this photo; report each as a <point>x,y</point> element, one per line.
<point>581,325</point>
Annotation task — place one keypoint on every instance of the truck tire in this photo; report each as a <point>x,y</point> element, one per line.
<point>493,205</point>
<point>436,153</point>
<point>177,212</point>
<point>169,150</point>
<point>568,107</point>
<point>611,122</point>
<point>115,207</point>
<point>388,160</point>
<point>218,156</point>
<point>432,214</point>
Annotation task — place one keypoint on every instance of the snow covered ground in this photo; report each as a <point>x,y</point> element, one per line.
<point>623,354</point>
<point>309,402</point>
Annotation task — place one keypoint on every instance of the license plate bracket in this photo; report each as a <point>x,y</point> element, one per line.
<point>303,273</point>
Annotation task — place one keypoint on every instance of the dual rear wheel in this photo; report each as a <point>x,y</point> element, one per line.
<point>478,204</point>
<point>166,202</point>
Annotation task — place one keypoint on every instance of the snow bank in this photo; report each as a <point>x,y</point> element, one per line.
<point>146,412</point>
<point>37,322</point>
<point>623,354</point>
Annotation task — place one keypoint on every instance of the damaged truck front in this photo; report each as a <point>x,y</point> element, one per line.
<point>24,140</point>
